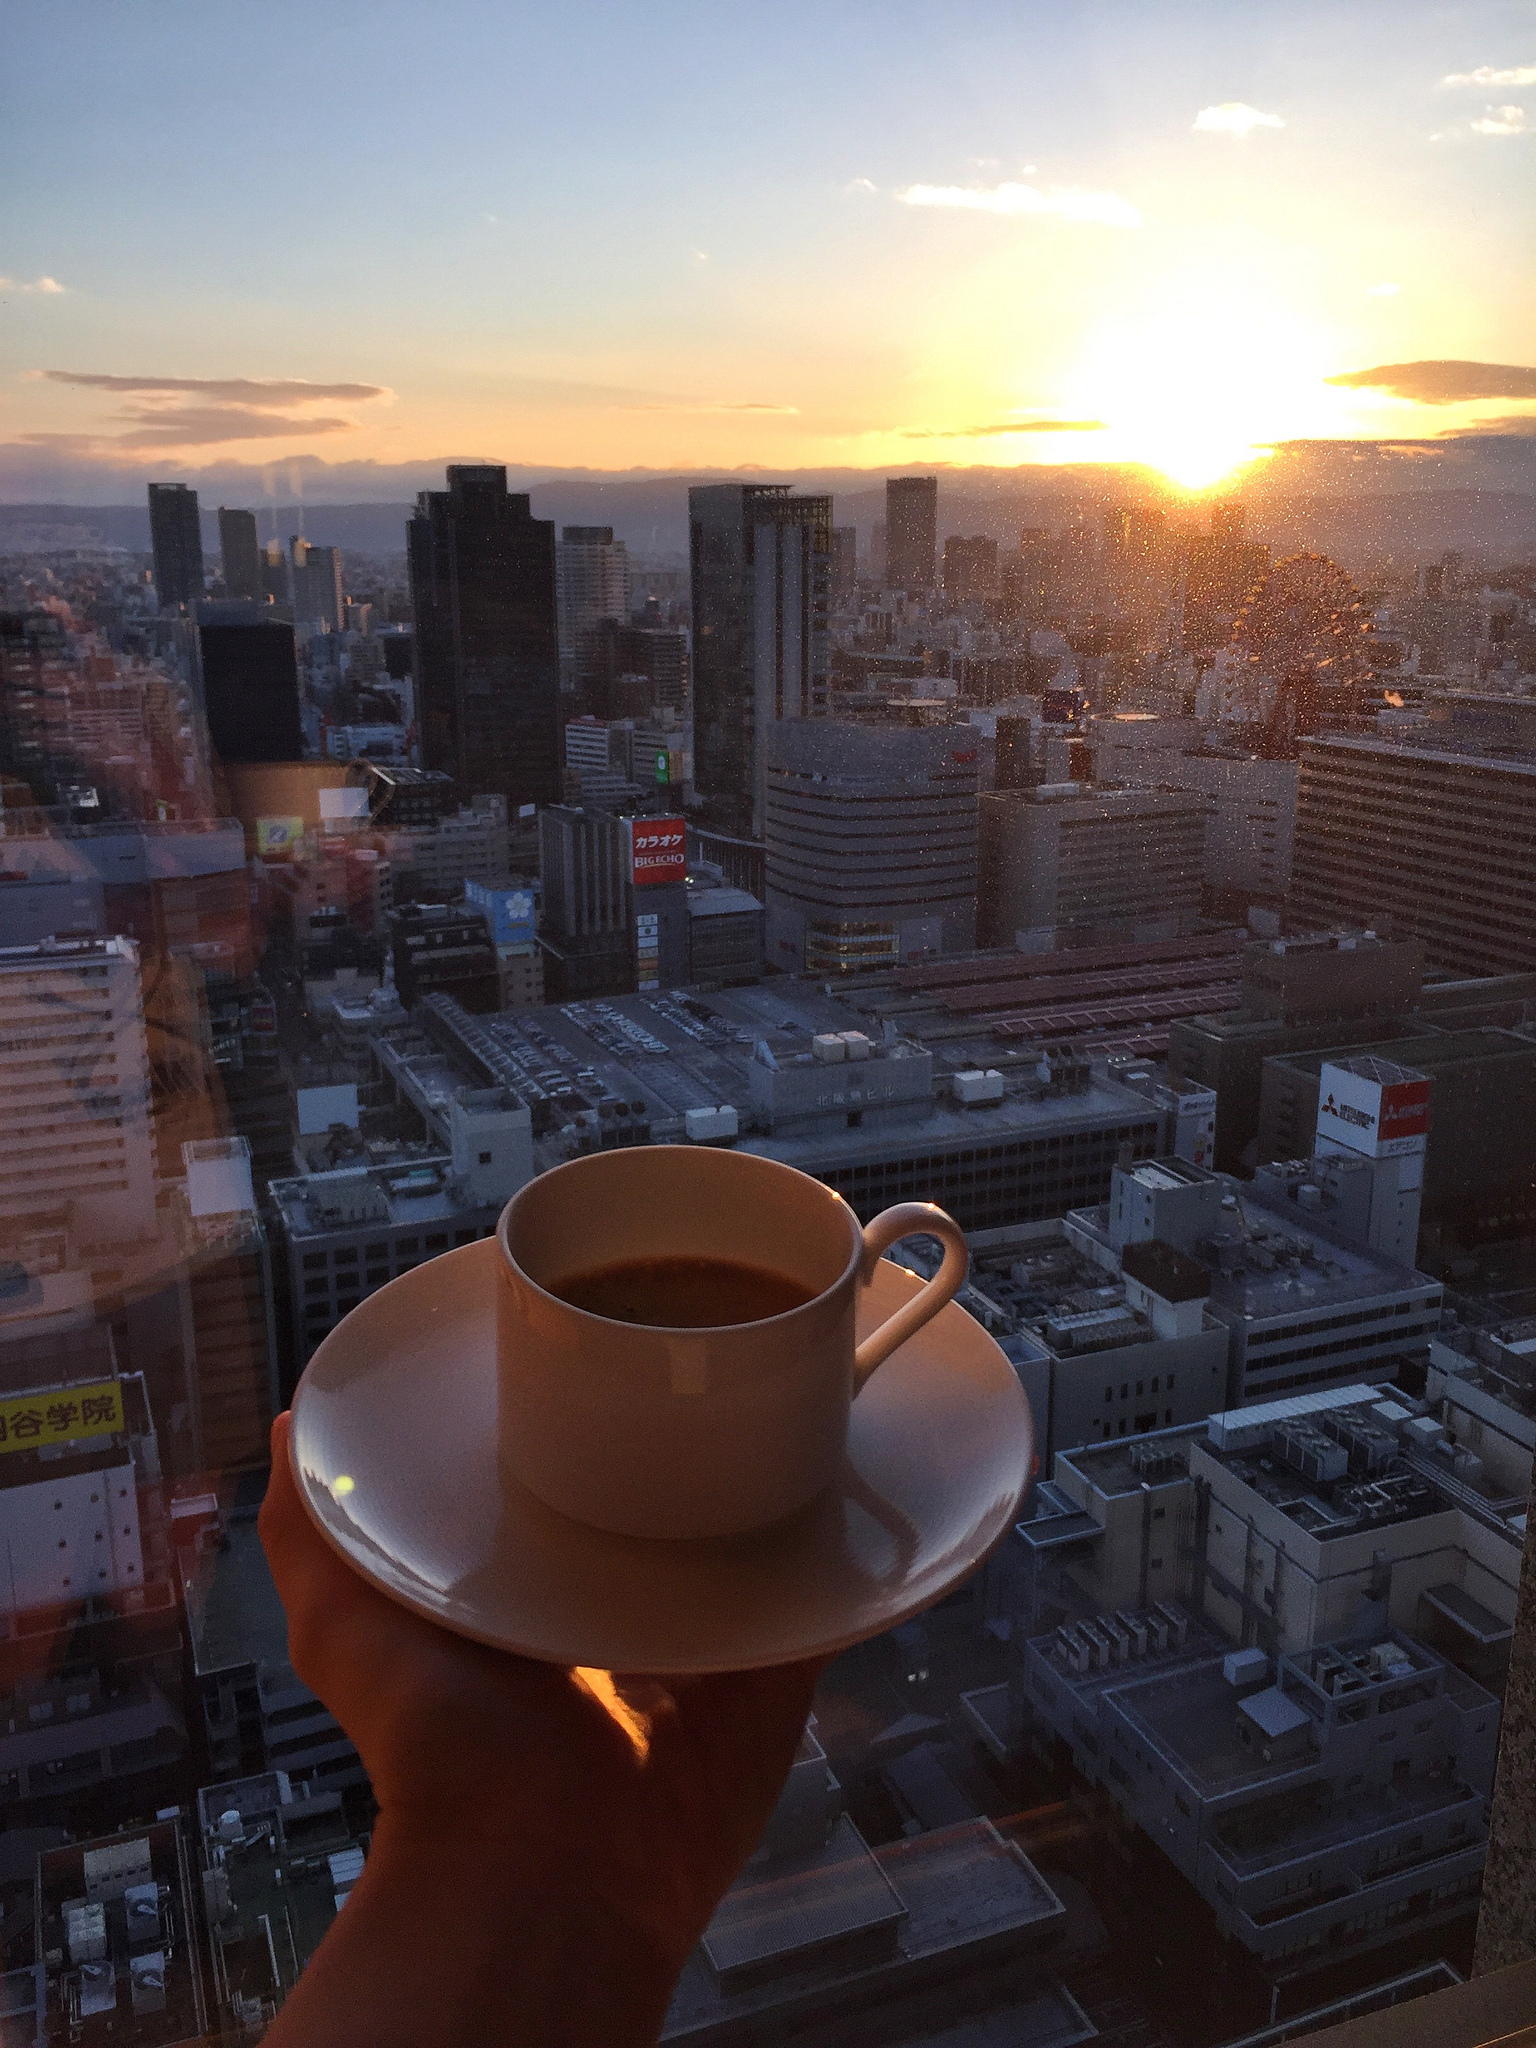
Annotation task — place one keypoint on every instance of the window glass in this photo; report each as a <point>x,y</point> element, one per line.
<point>990,657</point>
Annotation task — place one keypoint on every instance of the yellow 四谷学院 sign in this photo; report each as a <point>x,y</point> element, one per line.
<point>27,1421</point>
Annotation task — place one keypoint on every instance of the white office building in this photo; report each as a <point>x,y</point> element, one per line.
<point>74,1085</point>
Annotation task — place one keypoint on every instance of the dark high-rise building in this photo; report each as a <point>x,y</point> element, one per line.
<point>970,567</point>
<point>585,937</point>
<point>176,535</point>
<point>761,562</point>
<point>911,532</point>
<point>1024,579</point>
<point>242,555</point>
<point>659,653</point>
<point>487,652</point>
<point>845,560</point>
<point>250,684</point>
<point>447,949</point>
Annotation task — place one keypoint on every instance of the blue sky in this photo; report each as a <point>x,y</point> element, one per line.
<point>675,235</point>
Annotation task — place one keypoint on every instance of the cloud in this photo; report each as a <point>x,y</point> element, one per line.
<point>43,287</point>
<point>1521,425</point>
<point>240,390</point>
<point>1502,121</point>
<point>1383,291</point>
<point>198,427</point>
<point>1002,427</point>
<point>204,412</point>
<point>1234,118</point>
<point>206,426</point>
<point>861,185</point>
<point>1065,202</point>
<point>1443,383</point>
<point>708,405</point>
<point>1487,75</point>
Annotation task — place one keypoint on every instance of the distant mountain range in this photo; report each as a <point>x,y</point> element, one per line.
<point>1362,503</point>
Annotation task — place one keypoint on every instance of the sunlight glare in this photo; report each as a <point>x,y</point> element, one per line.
<point>1205,392</point>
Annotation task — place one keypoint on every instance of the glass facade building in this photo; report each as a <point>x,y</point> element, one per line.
<point>482,573</point>
<point>176,535</point>
<point>761,565</point>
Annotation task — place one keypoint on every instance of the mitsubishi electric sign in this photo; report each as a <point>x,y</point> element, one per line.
<point>1379,1119</point>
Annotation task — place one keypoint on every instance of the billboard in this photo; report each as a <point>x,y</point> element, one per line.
<point>647,950</point>
<point>508,912</point>
<point>343,806</point>
<point>61,1417</point>
<point>1379,1119</point>
<point>658,851</point>
<point>278,835</point>
<point>319,1108</point>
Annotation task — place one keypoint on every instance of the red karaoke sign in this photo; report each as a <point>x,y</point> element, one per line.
<point>658,851</point>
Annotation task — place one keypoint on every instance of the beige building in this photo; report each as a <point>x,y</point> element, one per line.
<point>1094,861</point>
<point>74,1083</point>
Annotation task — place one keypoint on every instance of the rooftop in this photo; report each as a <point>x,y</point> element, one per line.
<point>658,1055</point>
<point>1448,752</point>
<point>421,1192</point>
<point>1190,1714</point>
<point>234,1615</point>
<point>1351,1459</point>
<point>923,1901</point>
<point>1265,1261</point>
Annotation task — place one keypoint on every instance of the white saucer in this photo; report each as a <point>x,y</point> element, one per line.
<point>394,1446</point>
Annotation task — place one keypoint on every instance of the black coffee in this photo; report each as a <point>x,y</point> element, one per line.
<point>682,1294</point>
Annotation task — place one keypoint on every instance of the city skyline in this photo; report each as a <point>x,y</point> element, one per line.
<point>1144,237</point>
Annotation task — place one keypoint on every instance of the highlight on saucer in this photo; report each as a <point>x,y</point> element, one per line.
<point>342,1484</point>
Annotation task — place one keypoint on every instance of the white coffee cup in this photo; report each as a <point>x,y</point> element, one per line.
<point>691,1432</point>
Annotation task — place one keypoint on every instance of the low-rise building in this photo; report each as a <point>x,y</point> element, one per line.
<point>84,1531</point>
<point>1478,1187</point>
<point>1482,1385</point>
<point>1303,1305</point>
<point>435,946</point>
<point>878,1123</point>
<point>349,1232</point>
<point>1281,1525</point>
<point>1320,1804</point>
<point>119,1938</point>
<point>725,936</point>
<point>1100,1353</point>
<point>271,1856</point>
<point>821,1933</point>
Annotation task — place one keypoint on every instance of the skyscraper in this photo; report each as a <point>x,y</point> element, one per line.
<point>176,535</point>
<point>911,531</point>
<point>761,563</point>
<point>250,683</point>
<point>317,592</point>
<point>487,651</point>
<point>845,560</point>
<point>593,586</point>
<point>970,567</point>
<point>242,555</point>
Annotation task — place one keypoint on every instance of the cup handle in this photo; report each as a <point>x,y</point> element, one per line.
<point>909,1219</point>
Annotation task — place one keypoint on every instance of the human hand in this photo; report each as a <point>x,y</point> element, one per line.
<point>609,1815</point>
